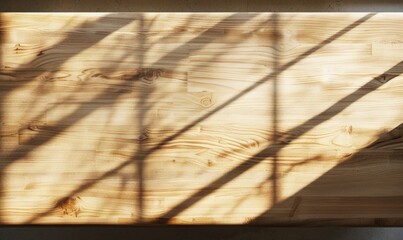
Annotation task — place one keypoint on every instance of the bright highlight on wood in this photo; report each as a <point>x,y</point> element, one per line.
<point>201,118</point>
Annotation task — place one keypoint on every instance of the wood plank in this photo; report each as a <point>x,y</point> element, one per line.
<point>201,118</point>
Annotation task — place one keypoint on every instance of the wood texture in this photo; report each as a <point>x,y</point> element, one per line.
<point>207,118</point>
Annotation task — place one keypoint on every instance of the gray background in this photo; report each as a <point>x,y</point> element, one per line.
<point>204,5</point>
<point>201,232</point>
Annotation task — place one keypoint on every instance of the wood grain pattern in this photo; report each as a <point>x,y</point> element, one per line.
<point>201,118</point>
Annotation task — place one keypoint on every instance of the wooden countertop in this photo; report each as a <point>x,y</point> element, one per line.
<point>201,118</point>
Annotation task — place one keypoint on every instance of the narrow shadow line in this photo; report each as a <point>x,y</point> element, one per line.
<point>1,110</point>
<point>273,178</point>
<point>139,161</point>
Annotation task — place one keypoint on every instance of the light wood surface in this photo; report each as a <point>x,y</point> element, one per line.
<point>201,118</point>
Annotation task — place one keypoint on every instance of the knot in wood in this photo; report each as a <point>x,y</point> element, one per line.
<point>150,74</point>
<point>70,206</point>
<point>206,100</point>
<point>143,136</point>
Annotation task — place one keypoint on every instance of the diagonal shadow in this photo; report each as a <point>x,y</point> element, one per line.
<point>71,36</point>
<point>203,192</point>
<point>85,109</point>
<point>79,112</point>
<point>272,150</point>
<point>283,68</point>
<point>292,135</point>
<point>280,70</point>
<point>20,72</point>
<point>345,189</point>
